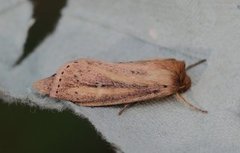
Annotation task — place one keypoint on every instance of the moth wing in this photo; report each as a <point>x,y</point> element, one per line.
<point>117,96</point>
<point>44,85</point>
<point>96,83</point>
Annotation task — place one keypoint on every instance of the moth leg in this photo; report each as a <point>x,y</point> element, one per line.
<point>124,108</point>
<point>185,102</point>
<point>195,64</point>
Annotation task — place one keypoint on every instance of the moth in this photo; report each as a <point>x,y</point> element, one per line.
<point>89,82</point>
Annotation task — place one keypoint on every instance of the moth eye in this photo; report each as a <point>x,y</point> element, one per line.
<point>164,86</point>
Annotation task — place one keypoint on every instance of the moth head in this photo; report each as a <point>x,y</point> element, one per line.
<point>177,78</point>
<point>185,83</point>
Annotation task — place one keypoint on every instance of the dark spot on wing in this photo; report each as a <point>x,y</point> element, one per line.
<point>89,62</point>
<point>135,72</point>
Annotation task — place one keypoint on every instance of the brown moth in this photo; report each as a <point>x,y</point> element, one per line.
<point>89,82</point>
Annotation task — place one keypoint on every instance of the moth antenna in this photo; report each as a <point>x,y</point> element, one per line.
<point>195,64</point>
<point>181,99</point>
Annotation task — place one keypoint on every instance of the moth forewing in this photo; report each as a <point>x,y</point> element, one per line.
<point>44,86</point>
<point>96,83</point>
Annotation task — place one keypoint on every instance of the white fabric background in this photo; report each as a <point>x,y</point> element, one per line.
<point>131,30</point>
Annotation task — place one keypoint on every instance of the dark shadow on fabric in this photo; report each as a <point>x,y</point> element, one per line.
<point>27,129</point>
<point>46,15</point>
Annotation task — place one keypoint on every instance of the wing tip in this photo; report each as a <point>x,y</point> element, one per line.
<point>43,86</point>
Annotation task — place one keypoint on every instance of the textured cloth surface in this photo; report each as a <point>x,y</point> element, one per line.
<point>189,30</point>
